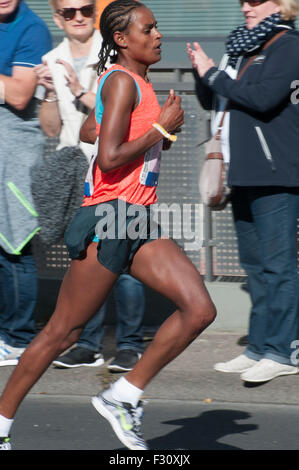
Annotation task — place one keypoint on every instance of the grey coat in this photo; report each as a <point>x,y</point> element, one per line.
<point>21,145</point>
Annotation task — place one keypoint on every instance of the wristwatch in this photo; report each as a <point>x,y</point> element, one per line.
<point>82,92</point>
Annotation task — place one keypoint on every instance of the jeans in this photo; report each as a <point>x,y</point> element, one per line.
<point>130,304</point>
<point>266,225</point>
<point>18,296</point>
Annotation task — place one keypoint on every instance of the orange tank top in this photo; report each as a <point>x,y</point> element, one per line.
<point>136,181</point>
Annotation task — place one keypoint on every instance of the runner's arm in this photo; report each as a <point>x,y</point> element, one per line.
<point>119,97</point>
<point>88,130</point>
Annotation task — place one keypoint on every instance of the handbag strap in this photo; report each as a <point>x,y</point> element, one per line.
<point>241,73</point>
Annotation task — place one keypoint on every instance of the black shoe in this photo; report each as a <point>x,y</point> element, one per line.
<point>243,341</point>
<point>124,360</point>
<point>78,357</point>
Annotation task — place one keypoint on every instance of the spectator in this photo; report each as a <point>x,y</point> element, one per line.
<point>264,174</point>
<point>24,39</point>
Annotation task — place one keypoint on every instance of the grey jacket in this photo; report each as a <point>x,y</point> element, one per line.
<point>21,145</point>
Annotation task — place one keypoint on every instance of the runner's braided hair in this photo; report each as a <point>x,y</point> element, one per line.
<point>115,17</point>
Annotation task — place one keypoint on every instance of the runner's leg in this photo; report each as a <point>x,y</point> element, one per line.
<point>84,289</point>
<point>163,266</point>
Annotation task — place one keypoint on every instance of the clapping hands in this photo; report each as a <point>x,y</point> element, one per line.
<point>200,61</point>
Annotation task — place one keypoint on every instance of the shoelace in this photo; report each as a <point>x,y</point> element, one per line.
<point>136,415</point>
<point>4,443</point>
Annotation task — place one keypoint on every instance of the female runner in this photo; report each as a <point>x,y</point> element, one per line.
<point>124,176</point>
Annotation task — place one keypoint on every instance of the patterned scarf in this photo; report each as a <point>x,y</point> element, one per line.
<point>242,40</point>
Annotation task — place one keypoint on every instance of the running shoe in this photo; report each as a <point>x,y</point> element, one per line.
<point>78,357</point>
<point>5,443</point>
<point>124,418</point>
<point>9,356</point>
<point>125,360</point>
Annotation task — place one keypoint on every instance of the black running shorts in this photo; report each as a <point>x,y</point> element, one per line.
<point>119,228</point>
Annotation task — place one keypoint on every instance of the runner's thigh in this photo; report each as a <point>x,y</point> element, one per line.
<point>164,267</point>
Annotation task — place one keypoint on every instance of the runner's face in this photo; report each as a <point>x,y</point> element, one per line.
<point>7,7</point>
<point>143,39</point>
<point>255,14</point>
<point>78,27</point>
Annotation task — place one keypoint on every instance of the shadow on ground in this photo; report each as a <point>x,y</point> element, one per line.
<point>203,432</point>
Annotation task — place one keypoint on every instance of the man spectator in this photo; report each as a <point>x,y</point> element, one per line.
<point>24,39</point>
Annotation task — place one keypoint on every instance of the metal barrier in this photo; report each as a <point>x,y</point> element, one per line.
<point>178,188</point>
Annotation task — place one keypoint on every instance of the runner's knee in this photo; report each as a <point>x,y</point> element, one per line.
<point>70,339</point>
<point>201,312</point>
<point>61,338</point>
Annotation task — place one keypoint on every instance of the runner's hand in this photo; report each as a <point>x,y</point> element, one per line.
<point>172,115</point>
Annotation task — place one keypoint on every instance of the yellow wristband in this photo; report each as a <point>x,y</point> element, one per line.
<point>161,129</point>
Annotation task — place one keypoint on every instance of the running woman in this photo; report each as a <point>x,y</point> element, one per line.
<point>131,127</point>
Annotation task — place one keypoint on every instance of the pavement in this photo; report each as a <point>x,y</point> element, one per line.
<point>189,406</point>
<point>190,377</point>
<point>188,389</point>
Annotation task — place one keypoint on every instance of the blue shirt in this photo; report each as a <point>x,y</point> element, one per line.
<point>24,39</point>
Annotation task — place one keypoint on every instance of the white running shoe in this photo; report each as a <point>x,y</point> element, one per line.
<point>266,370</point>
<point>9,356</point>
<point>237,365</point>
<point>124,418</point>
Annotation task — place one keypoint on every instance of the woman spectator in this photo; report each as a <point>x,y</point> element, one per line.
<point>261,141</point>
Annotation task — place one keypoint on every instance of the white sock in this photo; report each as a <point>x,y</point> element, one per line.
<point>5,425</point>
<point>124,391</point>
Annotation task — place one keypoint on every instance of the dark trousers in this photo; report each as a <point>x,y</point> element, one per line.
<point>266,225</point>
<point>18,296</point>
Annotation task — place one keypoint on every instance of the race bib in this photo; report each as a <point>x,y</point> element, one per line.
<point>150,171</point>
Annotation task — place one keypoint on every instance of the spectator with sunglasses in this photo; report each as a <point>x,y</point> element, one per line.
<point>260,140</point>
<point>68,73</point>
<point>24,39</point>
<point>69,76</point>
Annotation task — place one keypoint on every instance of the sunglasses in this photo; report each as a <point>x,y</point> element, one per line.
<point>253,3</point>
<point>70,13</point>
